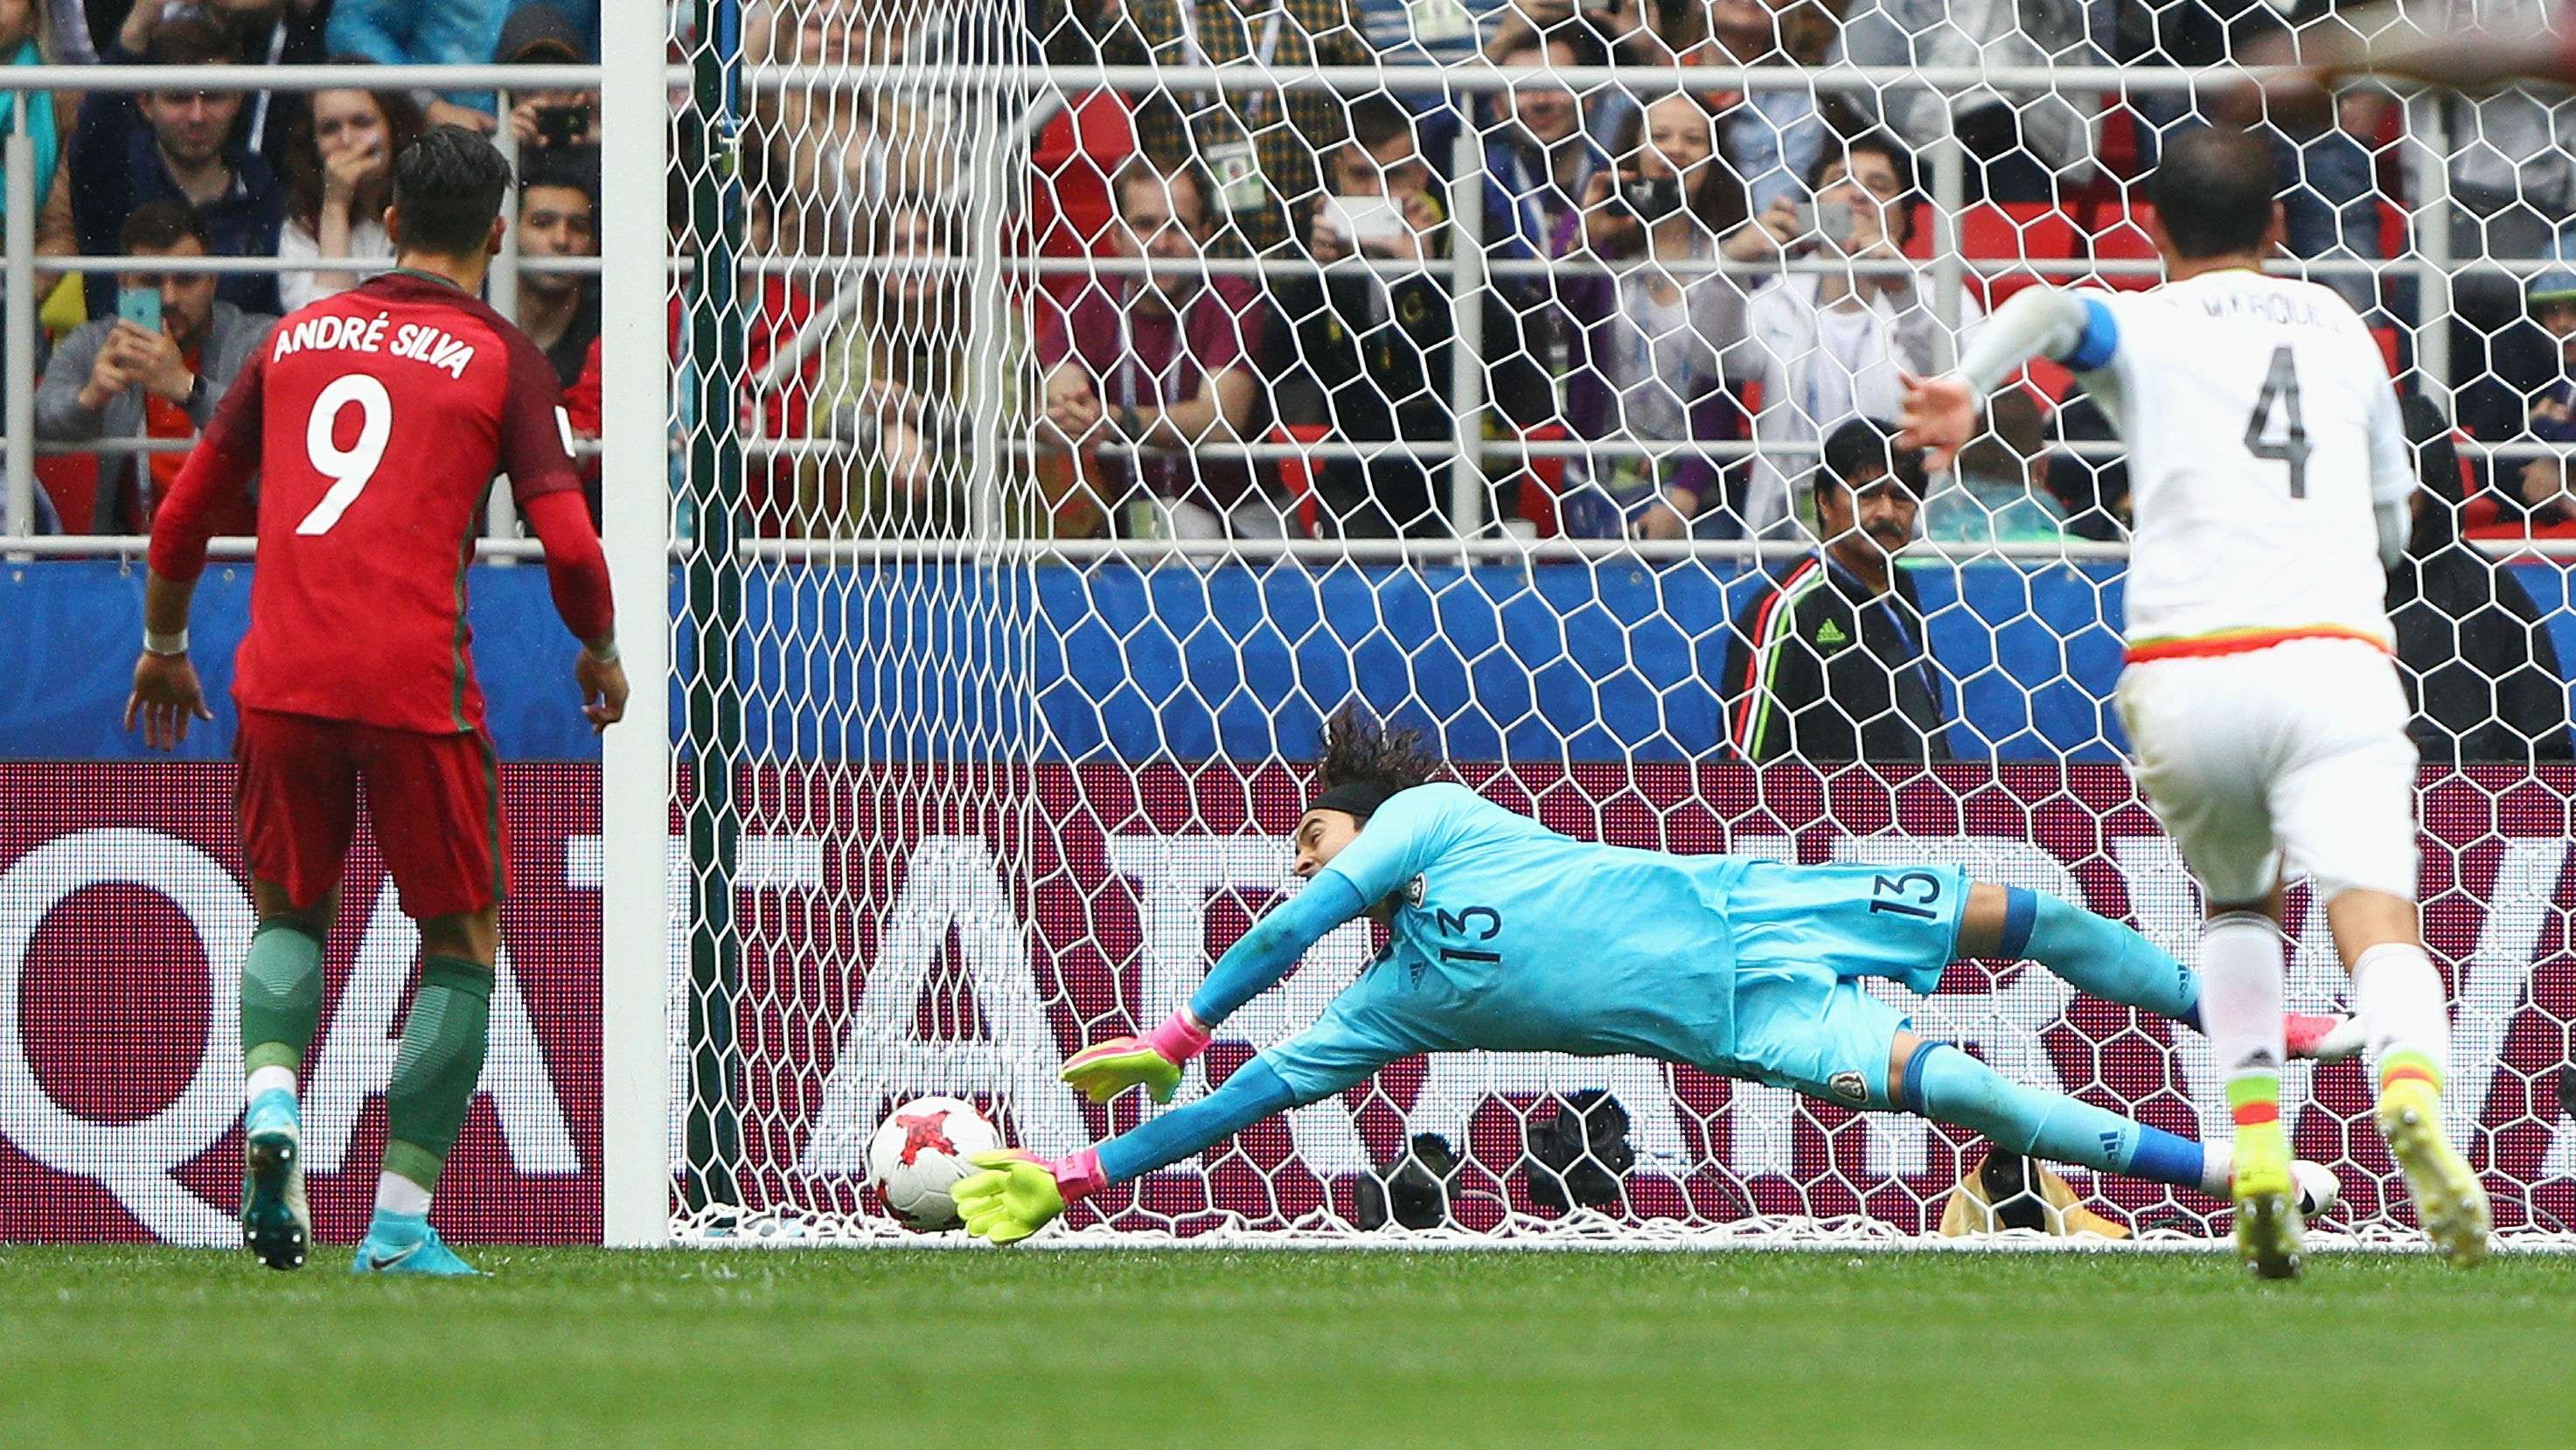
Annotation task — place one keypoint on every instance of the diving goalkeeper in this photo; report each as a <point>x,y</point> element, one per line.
<point>1508,937</point>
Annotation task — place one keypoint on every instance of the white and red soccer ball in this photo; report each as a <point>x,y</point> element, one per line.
<point>918,1154</point>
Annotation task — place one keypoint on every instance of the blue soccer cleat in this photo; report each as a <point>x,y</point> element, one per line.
<point>275,1222</point>
<point>398,1243</point>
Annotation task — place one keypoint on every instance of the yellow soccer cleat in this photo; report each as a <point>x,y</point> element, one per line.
<point>2449,1201</point>
<point>2266,1190</point>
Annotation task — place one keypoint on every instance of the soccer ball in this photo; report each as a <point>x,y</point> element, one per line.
<point>920,1151</point>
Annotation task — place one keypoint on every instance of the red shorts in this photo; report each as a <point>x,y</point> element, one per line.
<point>434,802</point>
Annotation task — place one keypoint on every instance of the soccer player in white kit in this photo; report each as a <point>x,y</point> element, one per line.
<point>2269,481</point>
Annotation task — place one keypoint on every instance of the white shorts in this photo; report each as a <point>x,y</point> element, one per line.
<point>2298,751</point>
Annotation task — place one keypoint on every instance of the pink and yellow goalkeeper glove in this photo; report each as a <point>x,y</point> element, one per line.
<point>1105,1069</point>
<point>1019,1193</point>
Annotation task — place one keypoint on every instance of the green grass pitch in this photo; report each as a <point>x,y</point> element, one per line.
<point>149,1348</point>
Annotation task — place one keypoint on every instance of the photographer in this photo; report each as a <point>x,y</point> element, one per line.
<point>1830,345</point>
<point>1649,339</point>
<point>1368,352</point>
<point>155,367</point>
<point>562,122</point>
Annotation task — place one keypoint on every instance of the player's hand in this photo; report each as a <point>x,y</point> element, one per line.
<point>1105,1069</point>
<point>166,697</point>
<point>1014,1197</point>
<point>1938,416</point>
<point>603,689</point>
<point>2288,81</point>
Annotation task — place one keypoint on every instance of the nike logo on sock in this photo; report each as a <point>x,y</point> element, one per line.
<point>387,1261</point>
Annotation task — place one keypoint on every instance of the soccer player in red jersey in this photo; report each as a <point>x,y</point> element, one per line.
<point>375,420</point>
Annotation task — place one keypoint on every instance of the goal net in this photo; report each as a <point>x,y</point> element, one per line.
<point>1077,404</point>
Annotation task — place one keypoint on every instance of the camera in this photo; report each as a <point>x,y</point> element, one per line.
<point>1411,1189</point>
<point>1579,1153</point>
<point>562,125</point>
<point>1652,198</point>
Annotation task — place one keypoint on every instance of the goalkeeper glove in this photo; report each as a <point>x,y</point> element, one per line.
<point>1018,1193</point>
<point>1105,1069</point>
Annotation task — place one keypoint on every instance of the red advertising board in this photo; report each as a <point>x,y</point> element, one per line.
<point>123,919</point>
<point>920,929</point>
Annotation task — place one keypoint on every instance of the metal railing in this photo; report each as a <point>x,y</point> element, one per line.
<point>1490,552</point>
<point>17,363</point>
<point>1467,453</point>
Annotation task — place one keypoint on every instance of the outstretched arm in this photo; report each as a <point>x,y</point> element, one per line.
<point>1939,415</point>
<point>1019,1193</point>
<point>1257,959</point>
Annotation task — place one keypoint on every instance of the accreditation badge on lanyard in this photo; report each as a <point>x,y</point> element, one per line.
<point>1234,165</point>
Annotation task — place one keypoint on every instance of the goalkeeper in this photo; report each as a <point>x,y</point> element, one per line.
<point>1509,937</point>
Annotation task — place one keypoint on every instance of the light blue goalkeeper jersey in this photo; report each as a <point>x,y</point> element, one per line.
<point>1510,937</point>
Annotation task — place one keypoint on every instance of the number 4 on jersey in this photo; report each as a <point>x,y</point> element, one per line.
<point>2281,385</point>
<point>348,469</point>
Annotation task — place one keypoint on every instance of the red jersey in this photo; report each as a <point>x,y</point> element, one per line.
<point>375,420</point>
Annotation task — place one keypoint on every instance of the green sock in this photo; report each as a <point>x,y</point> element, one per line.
<point>281,996</point>
<point>434,1075</point>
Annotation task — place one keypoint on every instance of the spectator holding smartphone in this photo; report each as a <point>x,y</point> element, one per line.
<point>1367,351</point>
<point>339,179</point>
<point>1367,354</point>
<point>1830,345</point>
<point>155,367</point>
<point>559,121</point>
<point>1649,339</point>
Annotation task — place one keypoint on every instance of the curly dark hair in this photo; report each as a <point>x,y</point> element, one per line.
<point>1361,750</point>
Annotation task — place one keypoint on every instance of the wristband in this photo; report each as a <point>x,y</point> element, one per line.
<point>1180,1038</point>
<point>1080,1176</point>
<point>605,654</point>
<point>156,643</point>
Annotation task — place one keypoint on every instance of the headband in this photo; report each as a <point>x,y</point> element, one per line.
<point>1360,798</point>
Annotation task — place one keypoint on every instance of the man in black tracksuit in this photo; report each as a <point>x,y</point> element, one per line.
<point>1831,661</point>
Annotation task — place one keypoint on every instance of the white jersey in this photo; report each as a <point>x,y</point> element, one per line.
<point>2261,429</point>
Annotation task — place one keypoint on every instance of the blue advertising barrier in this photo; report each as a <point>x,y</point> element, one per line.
<point>1554,662</point>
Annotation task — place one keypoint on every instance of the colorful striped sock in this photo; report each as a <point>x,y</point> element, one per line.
<point>2403,1066</point>
<point>2254,1101</point>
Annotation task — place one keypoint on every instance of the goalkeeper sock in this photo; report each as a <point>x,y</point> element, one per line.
<point>1949,1086</point>
<point>281,999</point>
<point>2101,957</point>
<point>434,1076</point>
<point>2240,1006</point>
<point>2399,993</point>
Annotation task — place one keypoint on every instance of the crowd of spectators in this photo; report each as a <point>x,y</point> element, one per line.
<point>132,363</point>
<point>1692,306</point>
